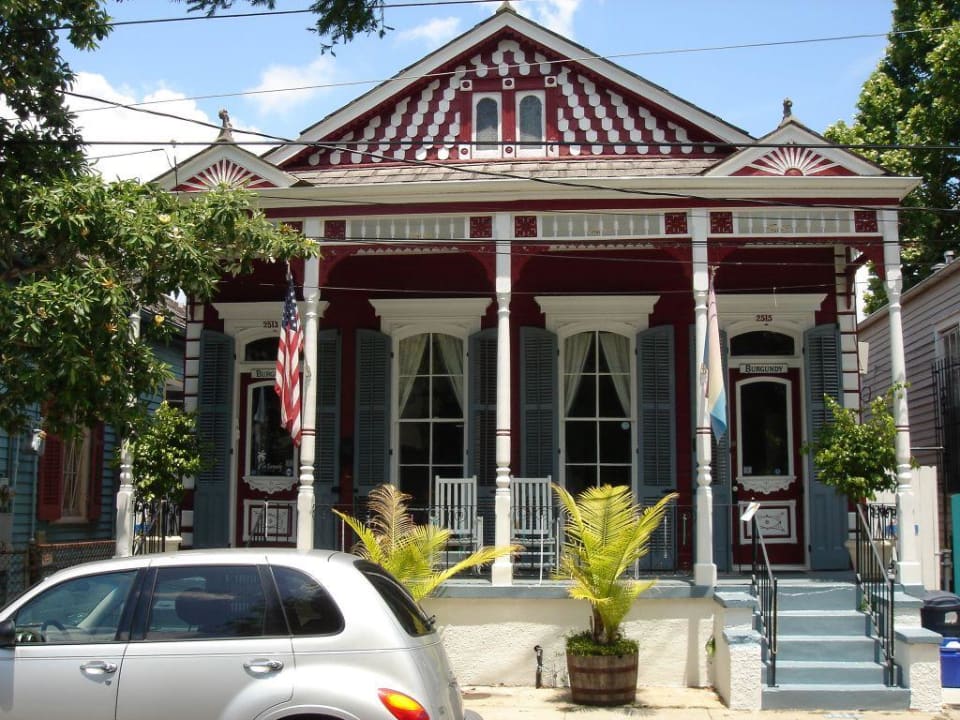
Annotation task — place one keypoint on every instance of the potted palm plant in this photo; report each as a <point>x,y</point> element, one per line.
<point>412,553</point>
<point>606,532</point>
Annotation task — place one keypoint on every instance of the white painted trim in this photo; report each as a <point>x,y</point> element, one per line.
<point>624,314</point>
<point>401,318</point>
<point>496,151</point>
<point>529,150</point>
<point>790,314</point>
<point>539,35</point>
<point>754,482</point>
<point>216,152</point>
<point>244,319</point>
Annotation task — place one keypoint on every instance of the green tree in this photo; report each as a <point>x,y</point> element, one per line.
<point>165,450</point>
<point>857,458</point>
<point>411,552</point>
<point>913,99</point>
<point>78,256</point>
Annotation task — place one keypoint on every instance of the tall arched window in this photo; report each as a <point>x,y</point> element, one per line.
<point>597,422</point>
<point>530,130</point>
<point>486,125</point>
<point>431,412</point>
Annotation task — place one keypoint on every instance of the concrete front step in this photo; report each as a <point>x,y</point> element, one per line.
<point>834,697</point>
<point>833,648</point>
<point>792,672</point>
<point>832,596</point>
<point>823,622</point>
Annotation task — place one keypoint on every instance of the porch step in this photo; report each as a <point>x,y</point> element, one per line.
<point>835,697</point>
<point>827,658</point>
<point>824,672</point>
<point>819,622</point>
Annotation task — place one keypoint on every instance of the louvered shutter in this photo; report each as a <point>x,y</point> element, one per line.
<point>657,443</point>
<point>50,480</point>
<point>538,403</point>
<point>327,460</point>
<point>481,451</point>
<point>211,502</point>
<point>827,509</point>
<point>372,461</point>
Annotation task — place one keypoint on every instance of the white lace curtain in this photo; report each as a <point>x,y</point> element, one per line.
<point>616,350</point>
<point>411,356</point>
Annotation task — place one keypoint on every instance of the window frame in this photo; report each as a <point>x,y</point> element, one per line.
<point>787,384</point>
<point>528,149</point>
<point>497,150</point>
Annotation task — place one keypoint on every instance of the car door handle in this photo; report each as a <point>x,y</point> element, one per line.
<point>99,667</point>
<point>262,666</point>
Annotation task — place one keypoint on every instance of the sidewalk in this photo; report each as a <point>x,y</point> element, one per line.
<point>668,703</point>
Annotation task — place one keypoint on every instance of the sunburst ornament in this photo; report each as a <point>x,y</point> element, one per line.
<point>792,161</point>
<point>225,172</point>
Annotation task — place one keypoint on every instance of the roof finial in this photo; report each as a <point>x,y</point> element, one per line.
<point>787,108</point>
<point>505,6</point>
<point>226,129</point>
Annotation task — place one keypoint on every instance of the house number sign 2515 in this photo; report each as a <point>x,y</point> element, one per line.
<point>763,317</point>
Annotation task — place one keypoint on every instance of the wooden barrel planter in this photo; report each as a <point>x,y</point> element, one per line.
<point>602,679</point>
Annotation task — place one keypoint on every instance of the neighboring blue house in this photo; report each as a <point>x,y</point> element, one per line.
<point>62,510</point>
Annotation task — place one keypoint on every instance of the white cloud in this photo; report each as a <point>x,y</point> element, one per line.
<point>141,161</point>
<point>556,15</point>
<point>436,31</point>
<point>276,77</point>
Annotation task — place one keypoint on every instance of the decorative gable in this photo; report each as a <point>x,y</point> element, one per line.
<point>509,89</point>
<point>793,150</point>
<point>224,172</point>
<point>222,163</point>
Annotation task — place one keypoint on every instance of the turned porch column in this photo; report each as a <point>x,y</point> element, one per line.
<point>704,568</point>
<point>502,570</point>
<point>308,417</point>
<point>908,547</point>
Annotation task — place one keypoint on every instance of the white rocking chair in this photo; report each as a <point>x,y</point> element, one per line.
<point>533,522</point>
<point>453,506</point>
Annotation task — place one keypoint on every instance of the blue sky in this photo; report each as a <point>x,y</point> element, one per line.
<point>673,44</point>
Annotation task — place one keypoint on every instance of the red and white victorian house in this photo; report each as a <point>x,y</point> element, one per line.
<point>516,242</point>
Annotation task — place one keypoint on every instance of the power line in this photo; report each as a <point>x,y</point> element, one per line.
<point>430,76</point>
<point>263,13</point>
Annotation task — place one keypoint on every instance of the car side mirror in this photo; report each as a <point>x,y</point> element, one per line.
<point>8,633</point>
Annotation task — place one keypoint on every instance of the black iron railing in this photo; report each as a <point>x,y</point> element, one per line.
<point>765,588</point>
<point>154,521</point>
<point>875,583</point>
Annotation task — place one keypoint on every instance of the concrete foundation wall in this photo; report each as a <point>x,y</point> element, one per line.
<point>491,641</point>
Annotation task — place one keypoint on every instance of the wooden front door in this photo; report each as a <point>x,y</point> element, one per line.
<point>267,467</point>
<point>765,456</point>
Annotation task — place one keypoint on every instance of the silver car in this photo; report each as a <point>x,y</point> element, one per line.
<point>233,634</point>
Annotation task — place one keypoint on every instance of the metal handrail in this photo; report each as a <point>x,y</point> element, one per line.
<point>875,583</point>
<point>764,584</point>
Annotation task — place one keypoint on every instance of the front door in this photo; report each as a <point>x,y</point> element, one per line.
<point>765,456</point>
<point>267,467</point>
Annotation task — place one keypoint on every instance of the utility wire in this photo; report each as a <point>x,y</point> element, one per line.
<point>428,76</point>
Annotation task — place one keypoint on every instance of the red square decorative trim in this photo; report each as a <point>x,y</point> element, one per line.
<point>675,223</point>
<point>335,230</point>
<point>525,226</point>
<point>865,221</point>
<point>721,223</point>
<point>481,226</point>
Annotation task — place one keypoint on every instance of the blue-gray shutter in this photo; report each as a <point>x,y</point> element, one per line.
<point>327,458</point>
<point>372,433</point>
<point>657,442</point>
<point>481,448</point>
<point>827,509</point>
<point>538,402</point>
<point>211,499</point>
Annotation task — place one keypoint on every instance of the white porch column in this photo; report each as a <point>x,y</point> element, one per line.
<point>308,418</point>
<point>704,568</point>
<point>908,546</point>
<point>125,493</point>
<point>502,571</point>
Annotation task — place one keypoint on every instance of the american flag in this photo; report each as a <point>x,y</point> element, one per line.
<point>287,383</point>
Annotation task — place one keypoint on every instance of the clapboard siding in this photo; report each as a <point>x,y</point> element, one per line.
<point>926,307</point>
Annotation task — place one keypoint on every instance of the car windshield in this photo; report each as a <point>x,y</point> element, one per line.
<point>410,616</point>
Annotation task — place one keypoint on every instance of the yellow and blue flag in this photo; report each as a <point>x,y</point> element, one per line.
<point>716,395</point>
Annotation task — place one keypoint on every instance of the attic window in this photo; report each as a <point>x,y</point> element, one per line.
<point>486,125</point>
<point>530,130</point>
